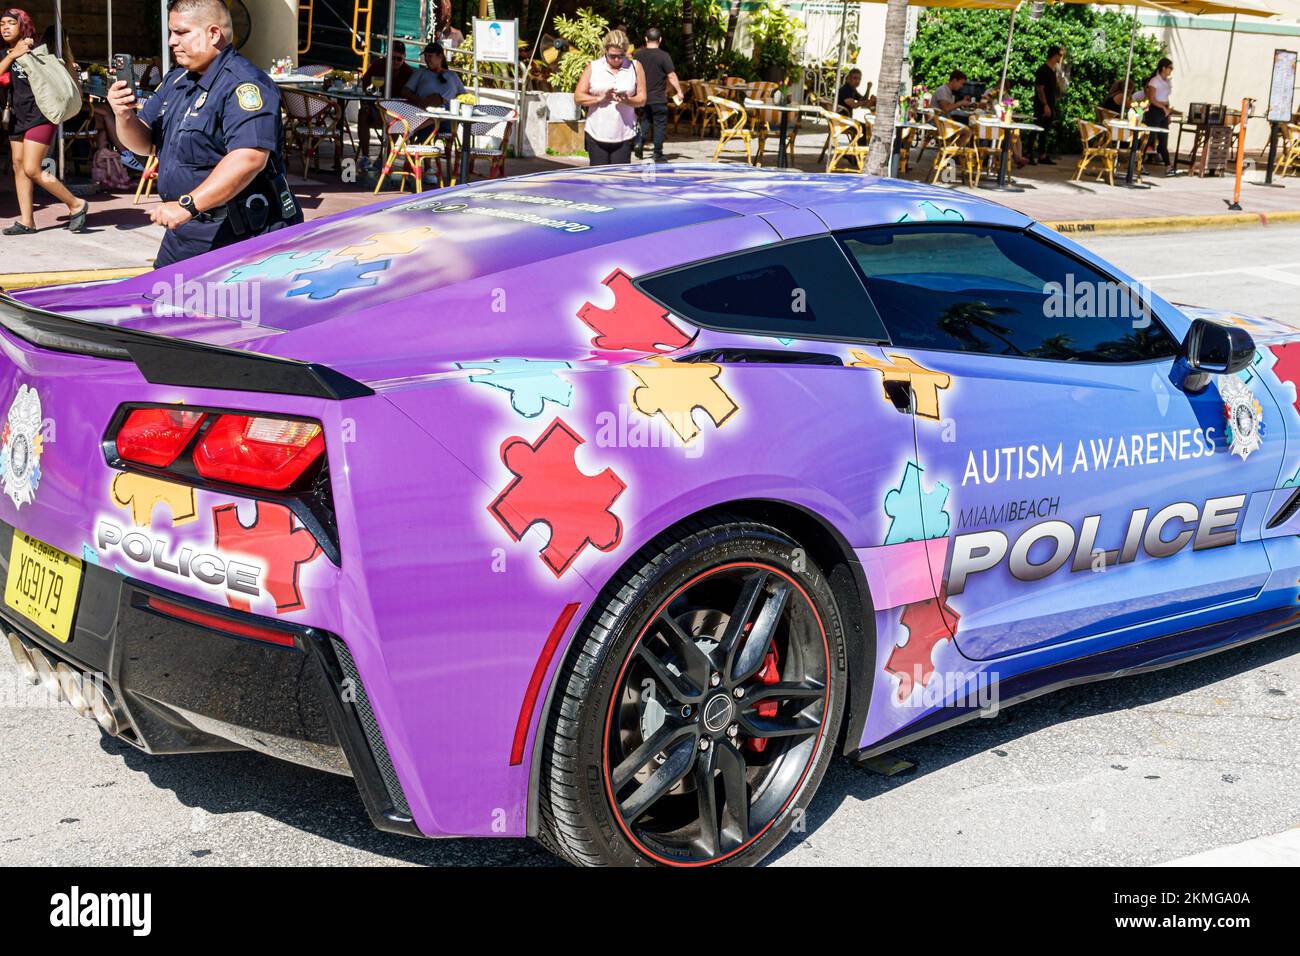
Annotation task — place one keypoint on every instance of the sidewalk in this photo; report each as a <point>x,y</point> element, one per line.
<point>120,236</point>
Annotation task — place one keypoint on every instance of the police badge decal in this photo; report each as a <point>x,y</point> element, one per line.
<point>1244,416</point>
<point>21,445</point>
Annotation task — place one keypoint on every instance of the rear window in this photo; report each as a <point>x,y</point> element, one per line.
<point>801,289</point>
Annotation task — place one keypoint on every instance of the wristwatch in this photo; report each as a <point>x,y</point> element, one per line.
<point>187,203</point>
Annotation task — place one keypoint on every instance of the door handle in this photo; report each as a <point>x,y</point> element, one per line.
<point>900,394</point>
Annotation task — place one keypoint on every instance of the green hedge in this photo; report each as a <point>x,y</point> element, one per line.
<point>1095,42</point>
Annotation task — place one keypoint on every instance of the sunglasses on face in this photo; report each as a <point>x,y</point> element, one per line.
<point>615,55</point>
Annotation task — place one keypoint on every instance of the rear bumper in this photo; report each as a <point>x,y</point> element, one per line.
<point>186,687</point>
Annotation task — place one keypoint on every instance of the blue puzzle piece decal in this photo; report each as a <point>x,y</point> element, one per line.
<point>89,555</point>
<point>344,275</point>
<point>932,213</point>
<point>277,266</point>
<point>531,382</point>
<point>916,514</point>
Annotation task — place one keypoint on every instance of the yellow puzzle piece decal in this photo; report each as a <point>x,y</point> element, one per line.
<point>899,368</point>
<point>384,244</point>
<point>141,493</point>
<point>676,389</point>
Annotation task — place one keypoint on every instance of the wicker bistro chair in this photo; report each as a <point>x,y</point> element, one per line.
<point>312,119</point>
<point>988,143</point>
<point>1097,147</point>
<point>148,178</point>
<point>687,111</point>
<point>953,145</point>
<point>733,124</point>
<point>404,123</point>
<point>847,144</point>
<point>491,139</point>
<point>1288,163</point>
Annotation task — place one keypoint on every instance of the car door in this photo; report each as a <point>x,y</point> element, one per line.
<point>1088,494</point>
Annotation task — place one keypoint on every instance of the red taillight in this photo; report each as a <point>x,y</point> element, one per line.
<point>220,622</point>
<point>269,453</point>
<point>155,436</point>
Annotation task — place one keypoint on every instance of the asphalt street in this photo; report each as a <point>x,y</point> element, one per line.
<point>1141,770</point>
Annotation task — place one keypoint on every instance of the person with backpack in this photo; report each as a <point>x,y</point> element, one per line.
<point>33,79</point>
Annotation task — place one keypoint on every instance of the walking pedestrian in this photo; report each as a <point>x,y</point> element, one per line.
<point>660,73</point>
<point>611,88</point>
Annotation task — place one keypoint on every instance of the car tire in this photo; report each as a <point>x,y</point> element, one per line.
<point>635,678</point>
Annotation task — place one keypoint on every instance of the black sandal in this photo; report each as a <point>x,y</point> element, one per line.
<point>18,229</point>
<point>77,222</point>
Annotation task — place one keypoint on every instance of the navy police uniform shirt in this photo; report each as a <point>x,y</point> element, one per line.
<point>195,120</point>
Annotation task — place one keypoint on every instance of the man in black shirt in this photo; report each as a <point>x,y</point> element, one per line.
<point>659,75</point>
<point>848,98</point>
<point>1046,93</point>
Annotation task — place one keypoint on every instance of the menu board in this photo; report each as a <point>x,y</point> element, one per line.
<point>1282,93</point>
<point>496,41</point>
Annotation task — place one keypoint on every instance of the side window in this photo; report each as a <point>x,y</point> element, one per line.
<point>801,289</point>
<point>1002,292</point>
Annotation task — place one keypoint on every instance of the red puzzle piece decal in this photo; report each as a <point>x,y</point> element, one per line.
<point>274,541</point>
<point>929,624</point>
<point>549,487</point>
<point>636,321</point>
<point>1287,366</point>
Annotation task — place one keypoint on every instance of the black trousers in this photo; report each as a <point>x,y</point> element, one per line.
<point>195,238</point>
<point>1155,116</point>
<point>1038,141</point>
<point>654,125</point>
<point>608,154</point>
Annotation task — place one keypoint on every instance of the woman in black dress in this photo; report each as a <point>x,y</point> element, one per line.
<point>30,131</point>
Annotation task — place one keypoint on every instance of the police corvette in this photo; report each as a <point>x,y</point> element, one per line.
<point>608,509</point>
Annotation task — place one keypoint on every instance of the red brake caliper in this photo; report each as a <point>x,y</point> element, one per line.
<point>767,674</point>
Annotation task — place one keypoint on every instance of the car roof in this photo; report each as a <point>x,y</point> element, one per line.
<point>840,200</point>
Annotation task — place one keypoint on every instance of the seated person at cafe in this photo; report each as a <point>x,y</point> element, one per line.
<point>433,84</point>
<point>945,98</point>
<point>849,97</point>
<point>1114,96</point>
<point>370,116</point>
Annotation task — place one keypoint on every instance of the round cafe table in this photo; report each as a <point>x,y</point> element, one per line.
<point>783,129</point>
<point>466,122</point>
<point>1005,153</point>
<point>1134,129</point>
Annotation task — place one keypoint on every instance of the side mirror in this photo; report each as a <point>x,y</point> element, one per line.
<point>1213,349</point>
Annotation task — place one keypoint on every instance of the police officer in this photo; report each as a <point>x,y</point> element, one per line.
<point>215,121</point>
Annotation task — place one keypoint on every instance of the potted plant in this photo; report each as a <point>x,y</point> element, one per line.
<point>776,37</point>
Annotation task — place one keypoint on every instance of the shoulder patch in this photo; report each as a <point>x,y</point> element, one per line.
<point>249,97</point>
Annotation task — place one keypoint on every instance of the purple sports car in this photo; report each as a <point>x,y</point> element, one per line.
<point>606,506</point>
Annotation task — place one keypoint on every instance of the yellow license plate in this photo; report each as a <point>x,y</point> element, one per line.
<point>42,585</point>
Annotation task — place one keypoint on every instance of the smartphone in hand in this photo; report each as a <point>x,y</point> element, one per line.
<point>124,70</point>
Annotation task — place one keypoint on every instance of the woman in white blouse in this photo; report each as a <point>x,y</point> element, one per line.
<point>611,89</point>
<point>1158,91</point>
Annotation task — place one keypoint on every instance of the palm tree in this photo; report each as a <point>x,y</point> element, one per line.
<point>891,77</point>
<point>688,36</point>
<point>733,17</point>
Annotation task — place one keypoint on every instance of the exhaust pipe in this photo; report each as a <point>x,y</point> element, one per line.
<point>88,694</point>
<point>72,683</point>
<point>23,658</point>
<point>46,674</point>
<point>104,707</point>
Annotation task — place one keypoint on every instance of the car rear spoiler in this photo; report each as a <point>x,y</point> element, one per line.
<point>168,361</point>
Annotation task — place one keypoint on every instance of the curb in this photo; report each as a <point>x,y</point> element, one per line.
<point>1072,227</point>
<point>28,280</point>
